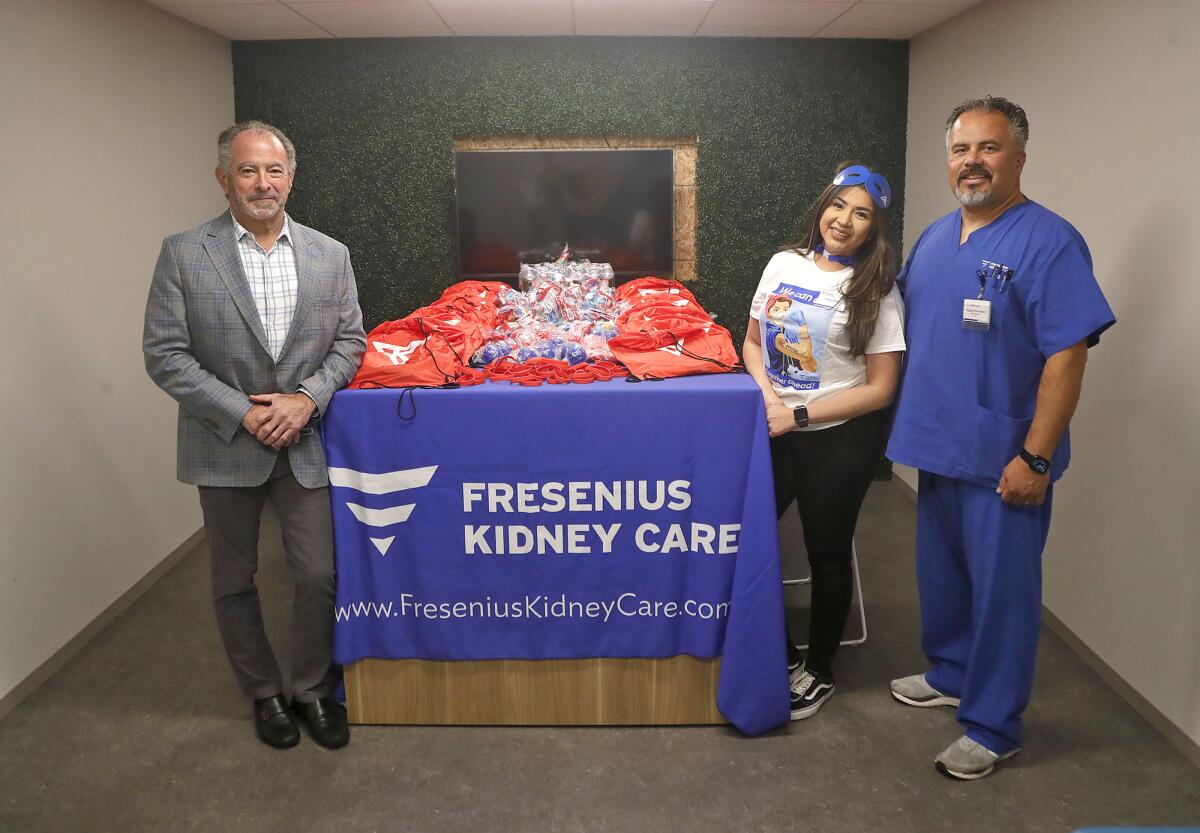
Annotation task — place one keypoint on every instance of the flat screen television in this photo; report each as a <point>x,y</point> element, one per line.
<point>524,206</point>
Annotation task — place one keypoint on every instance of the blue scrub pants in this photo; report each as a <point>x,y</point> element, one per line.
<point>979,577</point>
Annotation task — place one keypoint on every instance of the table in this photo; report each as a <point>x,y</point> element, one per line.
<point>561,530</point>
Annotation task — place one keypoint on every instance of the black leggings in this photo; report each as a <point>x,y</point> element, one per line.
<point>827,473</point>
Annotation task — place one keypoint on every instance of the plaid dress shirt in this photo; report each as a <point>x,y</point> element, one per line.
<point>273,281</point>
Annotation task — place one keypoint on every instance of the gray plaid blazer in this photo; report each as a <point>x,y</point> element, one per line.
<point>205,345</point>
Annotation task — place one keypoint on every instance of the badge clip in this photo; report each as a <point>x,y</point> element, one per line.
<point>977,313</point>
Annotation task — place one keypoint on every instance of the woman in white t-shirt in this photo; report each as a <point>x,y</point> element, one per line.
<point>824,342</point>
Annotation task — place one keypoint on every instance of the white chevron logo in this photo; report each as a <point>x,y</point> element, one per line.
<point>382,483</point>
<point>381,517</point>
<point>398,354</point>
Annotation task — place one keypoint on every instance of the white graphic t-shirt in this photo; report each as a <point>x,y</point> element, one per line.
<point>802,322</point>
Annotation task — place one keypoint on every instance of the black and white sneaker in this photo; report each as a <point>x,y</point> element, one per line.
<point>809,693</point>
<point>795,669</point>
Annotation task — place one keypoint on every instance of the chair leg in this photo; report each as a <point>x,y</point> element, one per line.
<point>858,594</point>
<point>862,607</point>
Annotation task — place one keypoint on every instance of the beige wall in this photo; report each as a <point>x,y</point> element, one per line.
<point>110,112</point>
<point>1109,88</point>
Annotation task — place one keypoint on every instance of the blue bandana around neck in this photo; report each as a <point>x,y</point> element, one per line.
<point>842,259</point>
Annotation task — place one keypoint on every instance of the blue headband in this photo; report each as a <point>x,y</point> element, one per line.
<point>877,187</point>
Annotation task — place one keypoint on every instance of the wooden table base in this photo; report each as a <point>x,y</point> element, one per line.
<point>561,692</point>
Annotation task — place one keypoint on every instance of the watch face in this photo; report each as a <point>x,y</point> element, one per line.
<point>1040,465</point>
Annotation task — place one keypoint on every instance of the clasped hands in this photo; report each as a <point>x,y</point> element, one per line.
<point>275,419</point>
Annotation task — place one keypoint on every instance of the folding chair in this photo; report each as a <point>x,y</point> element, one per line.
<point>862,609</point>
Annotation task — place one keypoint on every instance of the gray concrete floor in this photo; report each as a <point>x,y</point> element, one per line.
<point>144,731</point>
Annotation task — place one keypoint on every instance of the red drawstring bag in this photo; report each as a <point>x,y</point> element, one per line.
<point>458,321</point>
<point>663,313</point>
<point>477,293</point>
<point>641,290</point>
<point>684,350</point>
<point>403,354</point>
<point>477,296</point>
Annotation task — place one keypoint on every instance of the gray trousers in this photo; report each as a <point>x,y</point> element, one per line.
<point>231,522</point>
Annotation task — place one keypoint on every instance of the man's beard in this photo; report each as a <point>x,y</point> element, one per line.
<point>258,211</point>
<point>970,199</point>
<point>978,196</point>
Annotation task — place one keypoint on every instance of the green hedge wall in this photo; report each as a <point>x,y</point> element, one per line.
<point>374,123</point>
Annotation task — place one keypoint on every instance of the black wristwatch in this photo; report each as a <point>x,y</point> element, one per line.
<point>1039,465</point>
<point>801,415</point>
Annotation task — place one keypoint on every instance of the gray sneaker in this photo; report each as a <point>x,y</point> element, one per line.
<point>969,760</point>
<point>916,692</point>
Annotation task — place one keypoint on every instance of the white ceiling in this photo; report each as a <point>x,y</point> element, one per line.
<point>287,19</point>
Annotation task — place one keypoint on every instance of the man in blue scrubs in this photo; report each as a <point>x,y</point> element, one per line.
<point>1002,306</point>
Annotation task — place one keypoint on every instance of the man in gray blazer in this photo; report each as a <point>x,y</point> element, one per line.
<point>252,324</point>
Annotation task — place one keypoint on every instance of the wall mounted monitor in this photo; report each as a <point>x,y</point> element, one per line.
<point>524,206</point>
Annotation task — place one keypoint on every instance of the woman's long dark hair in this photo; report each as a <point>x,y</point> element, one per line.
<point>875,264</point>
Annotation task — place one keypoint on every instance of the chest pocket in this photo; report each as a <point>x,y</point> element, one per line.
<point>996,293</point>
<point>1002,286</point>
<point>1000,299</point>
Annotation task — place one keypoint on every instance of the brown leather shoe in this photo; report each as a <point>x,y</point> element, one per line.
<point>326,721</point>
<point>274,724</point>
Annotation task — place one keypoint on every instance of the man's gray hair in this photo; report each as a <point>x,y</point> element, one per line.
<point>993,104</point>
<point>225,141</point>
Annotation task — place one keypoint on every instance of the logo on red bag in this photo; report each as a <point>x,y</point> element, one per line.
<point>397,354</point>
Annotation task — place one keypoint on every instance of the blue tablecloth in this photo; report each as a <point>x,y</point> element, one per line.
<point>601,520</point>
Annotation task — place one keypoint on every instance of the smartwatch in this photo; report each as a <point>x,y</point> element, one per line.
<point>1039,465</point>
<point>801,416</point>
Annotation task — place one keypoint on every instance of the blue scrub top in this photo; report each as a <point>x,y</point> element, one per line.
<point>967,396</point>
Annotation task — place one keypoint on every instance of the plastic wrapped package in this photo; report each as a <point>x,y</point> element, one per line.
<point>512,305</point>
<point>604,329</point>
<point>596,348</point>
<point>524,334</point>
<point>563,313</point>
<point>574,354</point>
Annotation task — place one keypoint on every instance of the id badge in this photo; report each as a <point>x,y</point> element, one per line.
<point>977,314</point>
<point>828,299</point>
